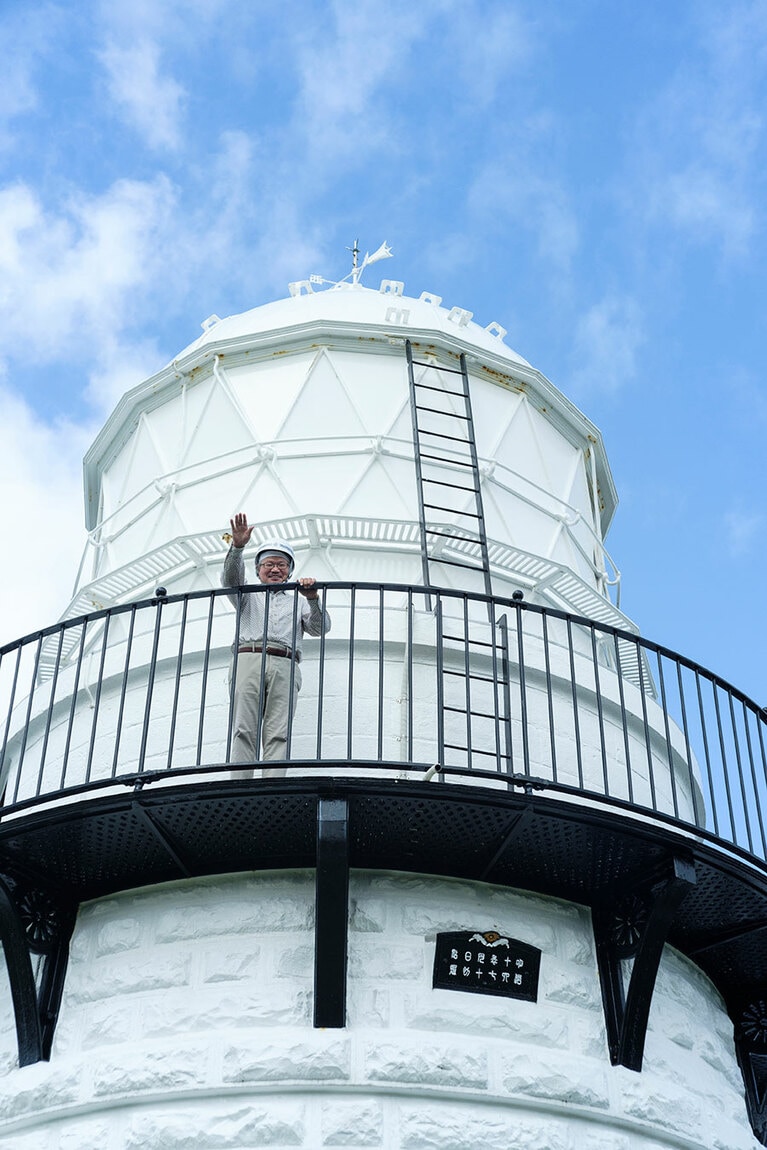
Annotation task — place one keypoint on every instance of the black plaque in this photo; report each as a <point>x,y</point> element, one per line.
<point>484,962</point>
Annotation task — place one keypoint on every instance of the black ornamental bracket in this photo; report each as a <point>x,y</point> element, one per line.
<point>35,922</point>
<point>747,1007</point>
<point>636,926</point>
<point>750,1020</point>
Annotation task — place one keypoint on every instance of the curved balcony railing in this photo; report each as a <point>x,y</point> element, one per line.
<point>409,683</point>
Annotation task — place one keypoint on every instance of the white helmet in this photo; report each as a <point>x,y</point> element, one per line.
<point>276,545</point>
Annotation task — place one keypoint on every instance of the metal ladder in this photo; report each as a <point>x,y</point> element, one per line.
<point>473,680</point>
<point>447,470</point>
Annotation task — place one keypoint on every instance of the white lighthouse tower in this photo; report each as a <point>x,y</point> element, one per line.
<point>512,889</point>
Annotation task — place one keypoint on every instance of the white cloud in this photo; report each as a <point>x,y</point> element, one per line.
<point>490,45</point>
<point>515,193</point>
<point>742,531</point>
<point>360,65</point>
<point>363,44</point>
<point>246,230</point>
<point>27,33</point>
<point>607,340</point>
<point>177,21</point>
<point>17,92</point>
<point>82,281</point>
<point>119,366</point>
<point>701,201</point>
<point>68,277</point>
<point>351,66</point>
<point>447,253</point>
<point>41,516</point>
<point>748,390</point>
<point>145,44</point>
<point>701,141</point>
<point>151,102</point>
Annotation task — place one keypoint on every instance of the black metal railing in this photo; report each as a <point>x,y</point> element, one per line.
<point>409,682</point>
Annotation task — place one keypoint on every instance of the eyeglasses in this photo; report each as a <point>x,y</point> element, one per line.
<point>276,564</point>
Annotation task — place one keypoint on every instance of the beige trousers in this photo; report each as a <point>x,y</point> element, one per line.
<point>274,708</point>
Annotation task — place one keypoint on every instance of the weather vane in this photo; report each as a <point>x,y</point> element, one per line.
<point>382,253</point>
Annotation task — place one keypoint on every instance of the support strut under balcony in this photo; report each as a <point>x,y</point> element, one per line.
<point>33,921</point>
<point>331,913</point>
<point>751,1049</point>
<point>636,927</point>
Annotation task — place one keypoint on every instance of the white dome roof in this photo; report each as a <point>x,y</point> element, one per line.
<point>351,305</point>
<point>351,320</point>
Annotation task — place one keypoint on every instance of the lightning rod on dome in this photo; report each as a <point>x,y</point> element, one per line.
<point>384,252</point>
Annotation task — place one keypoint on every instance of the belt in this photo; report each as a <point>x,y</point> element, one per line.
<point>252,648</point>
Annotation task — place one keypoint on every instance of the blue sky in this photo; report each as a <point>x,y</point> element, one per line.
<point>588,173</point>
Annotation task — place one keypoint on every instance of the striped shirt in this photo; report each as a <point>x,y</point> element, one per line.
<point>287,620</point>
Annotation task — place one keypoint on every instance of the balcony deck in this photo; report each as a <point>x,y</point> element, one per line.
<point>445,733</point>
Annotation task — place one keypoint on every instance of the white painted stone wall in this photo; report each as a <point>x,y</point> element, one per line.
<point>186,1023</point>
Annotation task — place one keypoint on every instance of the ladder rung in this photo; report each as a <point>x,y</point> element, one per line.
<point>452,510</point>
<point>474,678</point>
<point>444,459</point>
<point>475,714</point>
<point>455,563</point>
<point>441,390</point>
<point>446,483</point>
<point>439,411</point>
<point>474,751</point>
<point>463,640</point>
<point>438,367</point>
<point>442,435</point>
<point>470,642</point>
<point>450,535</point>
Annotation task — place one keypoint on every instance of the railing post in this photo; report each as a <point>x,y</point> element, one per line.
<point>505,710</point>
<point>440,682</point>
<point>204,683</point>
<point>159,601</point>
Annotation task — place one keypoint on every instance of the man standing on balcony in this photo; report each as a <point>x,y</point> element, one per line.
<point>268,656</point>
